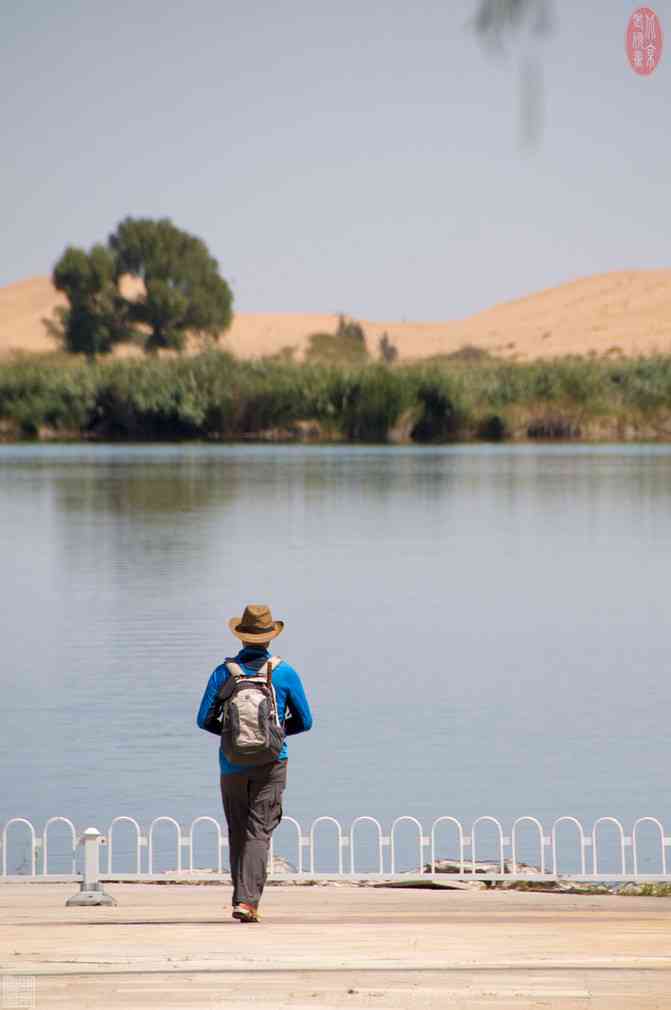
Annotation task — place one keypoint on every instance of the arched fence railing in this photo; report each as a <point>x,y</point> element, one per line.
<point>483,852</point>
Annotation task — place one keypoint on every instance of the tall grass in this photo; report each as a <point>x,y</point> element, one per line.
<point>216,396</point>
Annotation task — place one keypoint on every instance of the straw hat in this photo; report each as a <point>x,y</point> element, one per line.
<point>256,625</point>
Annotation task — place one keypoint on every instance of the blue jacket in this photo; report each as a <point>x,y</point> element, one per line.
<point>292,705</point>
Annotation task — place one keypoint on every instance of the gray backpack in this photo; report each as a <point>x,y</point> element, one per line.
<point>250,732</point>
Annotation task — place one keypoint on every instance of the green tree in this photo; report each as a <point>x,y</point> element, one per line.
<point>346,346</point>
<point>96,318</point>
<point>183,289</point>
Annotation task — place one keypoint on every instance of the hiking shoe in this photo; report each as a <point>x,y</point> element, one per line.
<point>245,913</point>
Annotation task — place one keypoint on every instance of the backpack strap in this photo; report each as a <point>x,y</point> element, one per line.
<point>237,673</point>
<point>271,665</point>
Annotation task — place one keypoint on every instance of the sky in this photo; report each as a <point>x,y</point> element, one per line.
<point>355,157</point>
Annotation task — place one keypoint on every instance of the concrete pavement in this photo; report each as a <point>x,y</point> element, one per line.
<point>174,946</point>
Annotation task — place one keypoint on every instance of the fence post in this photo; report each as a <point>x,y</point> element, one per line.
<point>91,890</point>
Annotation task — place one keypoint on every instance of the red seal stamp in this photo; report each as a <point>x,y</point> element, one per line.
<point>644,40</point>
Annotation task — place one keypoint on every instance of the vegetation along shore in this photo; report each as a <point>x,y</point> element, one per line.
<point>138,317</point>
<point>216,396</point>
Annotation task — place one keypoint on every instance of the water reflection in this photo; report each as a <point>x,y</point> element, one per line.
<point>482,629</point>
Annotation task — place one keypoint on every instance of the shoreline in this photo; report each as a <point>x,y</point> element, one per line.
<point>607,436</point>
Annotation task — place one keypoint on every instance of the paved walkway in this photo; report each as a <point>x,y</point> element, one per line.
<point>336,947</point>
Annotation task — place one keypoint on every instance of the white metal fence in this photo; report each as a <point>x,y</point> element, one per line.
<point>582,854</point>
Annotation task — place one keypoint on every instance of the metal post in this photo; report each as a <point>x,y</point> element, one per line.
<point>91,890</point>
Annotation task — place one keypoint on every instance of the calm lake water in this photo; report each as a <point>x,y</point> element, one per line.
<point>481,630</point>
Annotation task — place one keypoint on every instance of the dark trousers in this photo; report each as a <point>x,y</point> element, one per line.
<point>253,807</point>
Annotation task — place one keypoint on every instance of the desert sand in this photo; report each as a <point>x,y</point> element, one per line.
<point>625,311</point>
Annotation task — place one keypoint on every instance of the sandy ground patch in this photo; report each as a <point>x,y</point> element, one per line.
<point>336,947</point>
<point>626,311</point>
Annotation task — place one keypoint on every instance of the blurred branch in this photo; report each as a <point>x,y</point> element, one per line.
<point>497,23</point>
<point>496,19</point>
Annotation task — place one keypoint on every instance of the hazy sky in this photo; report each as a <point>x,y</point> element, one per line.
<point>359,157</point>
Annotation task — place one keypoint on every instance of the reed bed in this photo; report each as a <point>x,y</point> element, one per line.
<point>216,396</point>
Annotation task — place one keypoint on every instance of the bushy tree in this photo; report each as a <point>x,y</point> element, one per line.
<point>346,346</point>
<point>96,318</point>
<point>183,289</point>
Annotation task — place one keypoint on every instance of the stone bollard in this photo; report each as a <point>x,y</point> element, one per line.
<point>91,890</point>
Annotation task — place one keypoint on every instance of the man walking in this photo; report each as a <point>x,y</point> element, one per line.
<point>252,702</point>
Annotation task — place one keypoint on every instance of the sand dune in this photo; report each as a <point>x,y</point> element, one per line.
<point>629,310</point>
